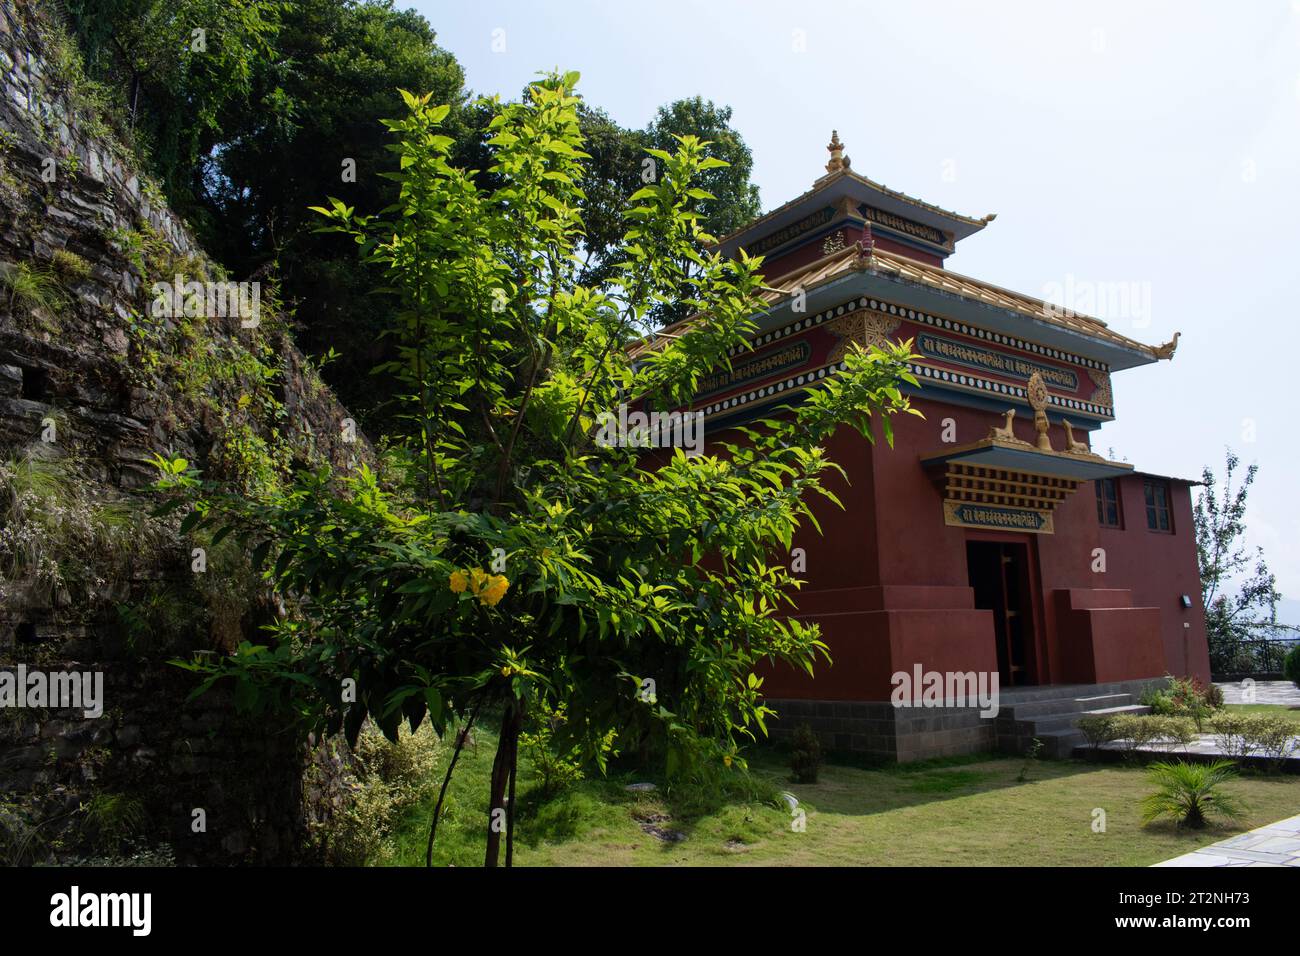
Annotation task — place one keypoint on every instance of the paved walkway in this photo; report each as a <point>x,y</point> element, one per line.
<point>1205,744</point>
<point>1277,844</point>
<point>1266,692</point>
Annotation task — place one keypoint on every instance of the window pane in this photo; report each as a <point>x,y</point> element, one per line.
<point>1151,519</point>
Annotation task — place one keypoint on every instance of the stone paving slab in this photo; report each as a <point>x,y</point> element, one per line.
<point>1205,744</point>
<point>1277,844</point>
<point>1265,692</point>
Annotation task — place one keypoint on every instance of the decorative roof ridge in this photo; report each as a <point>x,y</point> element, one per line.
<point>991,286</point>
<point>1034,308</point>
<point>845,172</point>
<point>865,256</point>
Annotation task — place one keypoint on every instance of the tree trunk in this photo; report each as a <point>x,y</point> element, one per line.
<point>502,767</point>
<point>510,807</point>
<point>461,737</point>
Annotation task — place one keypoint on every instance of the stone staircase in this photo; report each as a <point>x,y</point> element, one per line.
<point>1052,713</point>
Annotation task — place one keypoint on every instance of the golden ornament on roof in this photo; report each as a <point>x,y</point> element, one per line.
<point>836,149</point>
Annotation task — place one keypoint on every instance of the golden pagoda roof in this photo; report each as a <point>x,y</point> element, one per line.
<point>866,258</point>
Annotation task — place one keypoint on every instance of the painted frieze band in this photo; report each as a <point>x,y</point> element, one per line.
<point>866,320</point>
<point>973,356</point>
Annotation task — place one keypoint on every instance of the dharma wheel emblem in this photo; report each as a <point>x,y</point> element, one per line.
<point>1038,401</point>
<point>1037,393</point>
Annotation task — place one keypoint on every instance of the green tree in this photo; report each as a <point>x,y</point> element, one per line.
<point>514,555</point>
<point>734,199</point>
<point>184,69</point>
<point>279,109</point>
<point>1238,591</point>
<point>340,65</point>
<point>619,164</point>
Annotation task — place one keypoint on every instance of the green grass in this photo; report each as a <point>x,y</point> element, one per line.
<point>1278,710</point>
<point>33,287</point>
<point>582,817</point>
<point>954,812</point>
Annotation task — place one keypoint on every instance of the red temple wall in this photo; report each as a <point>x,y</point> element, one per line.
<point>1160,568</point>
<point>888,580</point>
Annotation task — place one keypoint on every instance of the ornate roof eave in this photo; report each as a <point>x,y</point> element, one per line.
<point>1016,456</point>
<point>865,258</point>
<point>845,173</point>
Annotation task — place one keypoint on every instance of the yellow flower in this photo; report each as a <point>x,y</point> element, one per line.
<point>506,670</point>
<point>458,581</point>
<point>727,759</point>
<point>477,578</point>
<point>496,589</point>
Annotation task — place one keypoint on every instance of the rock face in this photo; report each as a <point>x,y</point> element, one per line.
<point>96,378</point>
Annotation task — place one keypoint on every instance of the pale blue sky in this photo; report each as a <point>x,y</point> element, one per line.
<point>1152,143</point>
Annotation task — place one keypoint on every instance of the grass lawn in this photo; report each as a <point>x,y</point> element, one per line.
<point>961,811</point>
<point>1277,709</point>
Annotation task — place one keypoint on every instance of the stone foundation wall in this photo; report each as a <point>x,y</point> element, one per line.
<point>879,729</point>
<point>70,786</point>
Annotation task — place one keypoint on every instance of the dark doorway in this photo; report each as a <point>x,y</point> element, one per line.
<point>999,575</point>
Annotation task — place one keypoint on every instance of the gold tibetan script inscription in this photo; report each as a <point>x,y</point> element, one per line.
<point>961,514</point>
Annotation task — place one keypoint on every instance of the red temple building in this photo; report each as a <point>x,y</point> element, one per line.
<point>991,538</point>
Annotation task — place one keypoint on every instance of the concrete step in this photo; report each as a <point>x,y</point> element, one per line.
<point>1052,713</point>
<point>1065,723</point>
<point>1071,719</point>
<point>1134,709</point>
<point>1059,744</point>
<point>1067,705</point>
<point>1052,722</point>
<point>1011,696</point>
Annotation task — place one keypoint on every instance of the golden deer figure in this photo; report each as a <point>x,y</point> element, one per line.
<point>1073,447</point>
<point>1006,432</point>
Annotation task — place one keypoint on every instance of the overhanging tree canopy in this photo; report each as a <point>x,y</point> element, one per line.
<point>504,556</point>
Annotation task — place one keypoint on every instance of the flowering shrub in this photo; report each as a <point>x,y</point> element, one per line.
<point>1185,697</point>
<point>351,818</point>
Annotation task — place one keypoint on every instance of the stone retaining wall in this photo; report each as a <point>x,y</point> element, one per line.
<point>153,758</point>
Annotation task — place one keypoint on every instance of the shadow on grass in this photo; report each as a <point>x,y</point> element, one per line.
<point>726,812</point>
<point>861,785</point>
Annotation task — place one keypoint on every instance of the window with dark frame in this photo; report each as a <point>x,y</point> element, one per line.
<point>1109,514</point>
<point>1156,494</point>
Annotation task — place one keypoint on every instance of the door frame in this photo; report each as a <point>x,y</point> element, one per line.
<point>1036,669</point>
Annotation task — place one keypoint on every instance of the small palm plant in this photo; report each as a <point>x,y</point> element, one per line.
<point>1190,792</point>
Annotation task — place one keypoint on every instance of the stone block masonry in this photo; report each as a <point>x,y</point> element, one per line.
<point>879,729</point>
<point>70,356</point>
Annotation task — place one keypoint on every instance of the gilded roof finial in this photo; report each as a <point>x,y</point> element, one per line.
<point>836,149</point>
<point>1167,350</point>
